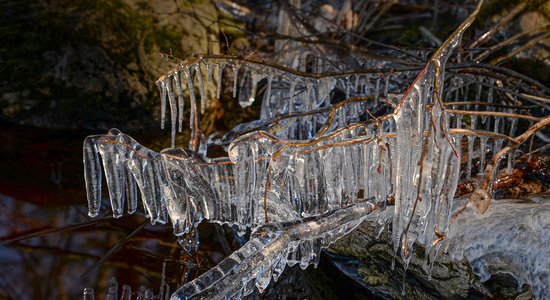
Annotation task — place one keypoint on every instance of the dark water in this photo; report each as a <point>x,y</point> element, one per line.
<point>51,249</point>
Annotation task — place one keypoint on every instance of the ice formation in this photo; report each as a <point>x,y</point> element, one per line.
<point>126,294</point>
<point>518,236</point>
<point>309,171</point>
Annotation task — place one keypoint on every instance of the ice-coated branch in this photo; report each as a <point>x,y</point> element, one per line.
<point>270,249</point>
<point>127,166</point>
<point>427,166</point>
<point>287,90</point>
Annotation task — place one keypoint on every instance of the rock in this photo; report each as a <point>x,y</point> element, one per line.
<point>483,257</point>
<point>66,64</point>
<point>374,269</point>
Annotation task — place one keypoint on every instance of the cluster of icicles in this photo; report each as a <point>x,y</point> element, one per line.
<point>308,171</point>
<point>112,292</point>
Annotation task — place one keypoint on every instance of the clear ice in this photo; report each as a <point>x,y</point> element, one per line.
<point>309,171</point>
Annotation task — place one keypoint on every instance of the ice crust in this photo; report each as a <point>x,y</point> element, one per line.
<point>518,238</point>
<point>308,171</point>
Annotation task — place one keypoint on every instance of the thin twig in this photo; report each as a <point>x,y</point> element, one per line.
<point>532,42</point>
<point>492,114</point>
<point>115,248</point>
<point>41,232</point>
<point>518,140</point>
<point>501,22</point>
<point>509,41</point>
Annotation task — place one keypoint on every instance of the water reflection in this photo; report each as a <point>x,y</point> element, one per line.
<point>45,266</point>
<point>54,252</point>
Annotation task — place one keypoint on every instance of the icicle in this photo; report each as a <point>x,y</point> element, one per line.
<point>181,101</point>
<point>126,292</point>
<point>433,258</point>
<point>112,291</point>
<point>485,119</point>
<point>470,155</point>
<point>305,249</point>
<point>490,93</point>
<point>473,124</point>
<point>498,145</point>
<point>363,89</point>
<point>209,72</point>
<point>377,90</point>
<point>244,85</point>
<point>497,125</point>
<point>202,90</point>
<point>316,248</point>
<point>324,88</point>
<point>347,85</point>
<point>386,85</point>
<point>478,95</point>
<point>291,107</point>
<point>173,107</point>
<point>467,90</point>
<point>235,79</point>
<point>92,174</point>
<point>141,293</point>
<point>268,89</point>
<point>145,179</point>
<point>483,149</point>
<point>220,78</point>
<point>245,101</point>
<point>279,267</point>
<point>309,96</point>
<point>162,92</point>
<point>367,170</point>
<point>193,118</point>
<point>131,191</point>
<point>263,278</point>
<point>149,295</point>
<point>225,195</point>
<point>266,103</point>
<point>174,162</point>
<point>114,171</point>
<point>216,180</point>
<point>513,127</point>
